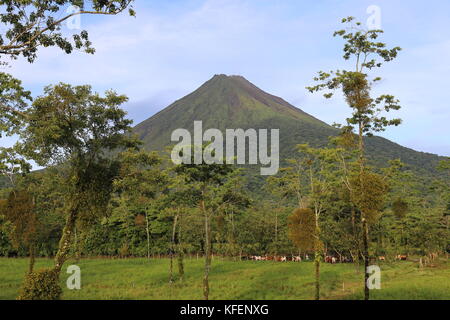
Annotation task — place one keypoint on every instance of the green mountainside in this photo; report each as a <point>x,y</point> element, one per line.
<point>230,102</point>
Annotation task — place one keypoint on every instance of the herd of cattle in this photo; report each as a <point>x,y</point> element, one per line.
<point>328,259</point>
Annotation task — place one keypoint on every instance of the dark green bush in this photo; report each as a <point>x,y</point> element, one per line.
<point>41,285</point>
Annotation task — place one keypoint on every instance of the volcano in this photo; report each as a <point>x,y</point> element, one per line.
<point>228,102</point>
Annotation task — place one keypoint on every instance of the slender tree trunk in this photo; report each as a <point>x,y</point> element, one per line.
<point>66,238</point>
<point>276,232</point>
<point>353,220</point>
<point>317,259</point>
<point>180,252</point>
<point>232,238</point>
<point>147,229</point>
<point>207,251</point>
<point>207,259</point>
<point>366,258</point>
<point>32,258</point>
<point>317,271</point>
<point>181,264</point>
<point>365,227</point>
<point>172,247</point>
<point>77,246</point>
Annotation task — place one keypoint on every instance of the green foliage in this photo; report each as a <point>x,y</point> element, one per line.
<point>41,285</point>
<point>12,165</point>
<point>73,124</point>
<point>6,246</point>
<point>30,25</point>
<point>19,210</point>
<point>361,46</point>
<point>400,208</point>
<point>368,194</point>
<point>302,229</point>
<point>13,101</point>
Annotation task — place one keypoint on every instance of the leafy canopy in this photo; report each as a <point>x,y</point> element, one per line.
<point>71,123</point>
<point>363,49</point>
<point>30,24</point>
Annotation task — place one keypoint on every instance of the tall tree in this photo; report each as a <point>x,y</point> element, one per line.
<point>30,25</point>
<point>141,179</point>
<point>208,180</point>
<point>303,233</point>
<point>77,129</point>
<point>366,53</point>
<point>321,172</point>
<point>233,203</point>
<point>177,203</point>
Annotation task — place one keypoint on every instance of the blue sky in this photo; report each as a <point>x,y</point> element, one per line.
<point>172,47</point>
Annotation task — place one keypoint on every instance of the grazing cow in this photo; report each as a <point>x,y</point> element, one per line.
<point>330,259</point>
<point>258,258</point>
<point>346,260</point>
<point>433,256</point>
<point>382,258</point>
<point>297,259</point>
<point>402,257</point>
<point>283,259</point>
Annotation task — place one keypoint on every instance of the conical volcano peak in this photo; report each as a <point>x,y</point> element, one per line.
<point>225,76</point>
<point>229,81</point>
<point>226,102</point>
<point>236,80</point>
<point>238,92</point>
<point>232,102</point>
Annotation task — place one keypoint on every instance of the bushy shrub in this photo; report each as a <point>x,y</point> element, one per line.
<point>124,251</point>
<point>41,285</point>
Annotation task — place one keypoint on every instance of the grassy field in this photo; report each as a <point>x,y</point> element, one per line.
<point>143,279</point>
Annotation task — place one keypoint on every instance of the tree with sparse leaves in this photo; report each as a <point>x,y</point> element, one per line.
<point>366,53</point>
<point>208,181</point>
